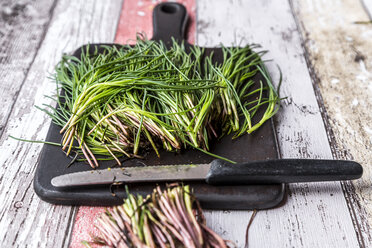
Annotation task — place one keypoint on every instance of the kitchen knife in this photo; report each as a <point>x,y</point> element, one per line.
<point>219,172</point>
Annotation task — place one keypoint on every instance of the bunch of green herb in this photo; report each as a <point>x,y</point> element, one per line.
<point>120,101</point>
<point>168,218</point>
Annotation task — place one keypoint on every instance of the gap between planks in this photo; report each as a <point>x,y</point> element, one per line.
<point>308,217</point>
<point>135,17</point>
<point>254,236</point>
<point>339,51</point>
<point>24,218</point>
<point>303,109</point>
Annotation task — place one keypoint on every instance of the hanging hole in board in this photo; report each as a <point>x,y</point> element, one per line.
<point>169,8</point>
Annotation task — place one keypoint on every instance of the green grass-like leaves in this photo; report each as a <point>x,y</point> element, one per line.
<point>118,102</point>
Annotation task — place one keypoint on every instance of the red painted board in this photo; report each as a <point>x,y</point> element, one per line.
<point>136,16</point>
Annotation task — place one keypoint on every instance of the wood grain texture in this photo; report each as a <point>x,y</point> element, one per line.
<point>24,219</point>
<point>338,42</point>
<point>315,215</point>
<point>22,28</point>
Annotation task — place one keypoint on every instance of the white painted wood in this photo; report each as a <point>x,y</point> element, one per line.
<point>22,28</point>
<point>315,215</point>
<point>25,220</point>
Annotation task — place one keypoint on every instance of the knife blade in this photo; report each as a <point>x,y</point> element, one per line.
<point>219,172</point>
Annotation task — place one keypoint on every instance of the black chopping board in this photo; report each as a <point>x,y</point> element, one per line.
<point>169,20</point>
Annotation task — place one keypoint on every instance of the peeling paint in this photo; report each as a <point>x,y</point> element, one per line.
<point>344,52</point>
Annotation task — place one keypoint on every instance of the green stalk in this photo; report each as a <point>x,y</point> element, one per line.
<point>124,100</point>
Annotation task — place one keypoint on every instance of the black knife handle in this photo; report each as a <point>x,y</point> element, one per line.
<point>169,20</point>
<point>283,171</point>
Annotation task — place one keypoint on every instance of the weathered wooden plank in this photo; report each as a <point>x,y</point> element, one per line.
<point>315,215</point>
<point>24,219</point>
<point>340,52</point>
<point>22,28</point>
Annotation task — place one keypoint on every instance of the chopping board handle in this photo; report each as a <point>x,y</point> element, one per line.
<point>169,20</point>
